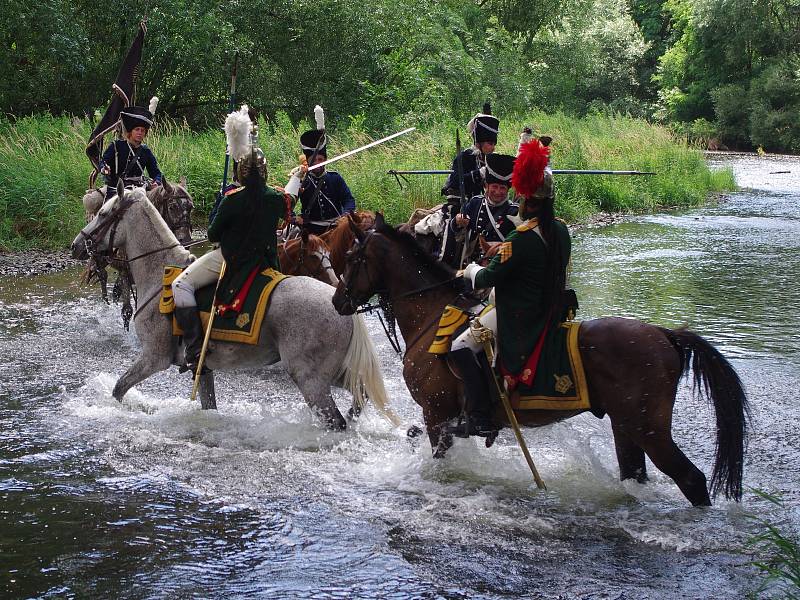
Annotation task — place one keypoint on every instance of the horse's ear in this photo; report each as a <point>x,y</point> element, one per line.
<point>360,235</point>
<point>182,181</point>
<point>120,188</point>
<point>379,220</point>
<point>304,236</point>
<point>167,185</point>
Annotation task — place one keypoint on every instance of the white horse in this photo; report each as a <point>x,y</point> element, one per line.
<point>171,199</point>
<point>318,347</point>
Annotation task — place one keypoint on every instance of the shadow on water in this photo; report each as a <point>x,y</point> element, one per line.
<point>156,498</point>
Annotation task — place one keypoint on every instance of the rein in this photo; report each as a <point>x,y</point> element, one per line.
<point>385,301</point>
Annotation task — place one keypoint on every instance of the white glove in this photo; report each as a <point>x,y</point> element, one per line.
<point>471,270</point>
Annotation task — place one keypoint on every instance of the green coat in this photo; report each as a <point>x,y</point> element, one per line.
<point>245,227</point>
<point>516,273</point>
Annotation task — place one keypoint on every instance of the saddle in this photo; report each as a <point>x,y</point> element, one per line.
<point>240,321</point>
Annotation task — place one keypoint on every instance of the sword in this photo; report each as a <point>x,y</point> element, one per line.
<point>362,148</point>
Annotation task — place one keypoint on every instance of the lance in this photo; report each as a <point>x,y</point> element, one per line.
<point>361,148</point>
<point>397,172</point>
<point>231,103</point>
<point>462,199</point>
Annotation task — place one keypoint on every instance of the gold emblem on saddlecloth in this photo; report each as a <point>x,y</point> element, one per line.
<point>563,383</point>
<point>242,320</point>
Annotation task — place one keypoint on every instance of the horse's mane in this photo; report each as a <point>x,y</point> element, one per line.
<point>438,269</point>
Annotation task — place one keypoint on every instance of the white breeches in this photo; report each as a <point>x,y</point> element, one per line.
<point>466,340</point>
<point>204,271</point>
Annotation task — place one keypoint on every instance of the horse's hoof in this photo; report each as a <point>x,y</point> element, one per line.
<point>491,438</point>
<point>414,431</point>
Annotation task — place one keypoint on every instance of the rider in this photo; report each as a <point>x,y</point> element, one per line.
<point>324,195</point>
<point>487,214</point>
<point>244,227</point>
<point>529,275</point>
<point>128,158</point>
<point>483,128</point>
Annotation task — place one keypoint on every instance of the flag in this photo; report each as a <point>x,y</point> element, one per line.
<point>124,95</point>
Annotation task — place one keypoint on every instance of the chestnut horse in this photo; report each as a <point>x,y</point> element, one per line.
<point>632,368</point>
<point>323,257</point>
<point>307,255</point>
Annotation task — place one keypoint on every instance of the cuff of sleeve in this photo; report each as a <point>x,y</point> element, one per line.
<point>471,271</point>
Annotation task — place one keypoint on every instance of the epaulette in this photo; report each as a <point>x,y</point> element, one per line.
<point>561,220</point>
<point>528,225</point>
<point>233,191</point>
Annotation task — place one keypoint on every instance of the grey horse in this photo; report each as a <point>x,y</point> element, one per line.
<point>317,346</point>
<point>171,199</point>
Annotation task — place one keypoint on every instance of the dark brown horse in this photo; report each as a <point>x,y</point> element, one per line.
<point>632,368</point>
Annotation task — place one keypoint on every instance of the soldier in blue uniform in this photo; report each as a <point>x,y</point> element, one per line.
<point>488,214</point>
<point>129,158</point>
<point>483,128</point>
<point>324,195</point>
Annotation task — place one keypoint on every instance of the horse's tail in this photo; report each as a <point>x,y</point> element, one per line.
<point>715,377</point>
<point>362,375</point>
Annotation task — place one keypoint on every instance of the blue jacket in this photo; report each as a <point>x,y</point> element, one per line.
<point>479,222</point>
<point>334,198</point>
<point>128,165</point>
<point>473,180</point>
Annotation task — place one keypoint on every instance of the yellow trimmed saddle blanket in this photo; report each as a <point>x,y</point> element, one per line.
<point>240,323</point>
<point>559,382</point>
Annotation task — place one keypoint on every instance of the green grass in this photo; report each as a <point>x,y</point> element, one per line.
<point>777,557</point>
<point>44,173</point>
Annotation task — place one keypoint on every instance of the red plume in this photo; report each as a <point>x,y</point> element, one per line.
<point>529,166</point>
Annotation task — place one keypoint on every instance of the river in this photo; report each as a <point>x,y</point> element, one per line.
<point>154,498</point>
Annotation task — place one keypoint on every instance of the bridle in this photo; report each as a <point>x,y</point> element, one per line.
<point>167,200</point>
<point>104,258</point>
<point>386,301</point>
<point>324,265</point>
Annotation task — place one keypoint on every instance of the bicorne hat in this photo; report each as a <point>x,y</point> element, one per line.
<point>483,126</point>
<point>315,139</point>
<point>499,168</point>
<point>138,116</point>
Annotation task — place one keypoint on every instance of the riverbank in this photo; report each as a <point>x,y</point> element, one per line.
<point>28,263</point>
<point>44,173</point>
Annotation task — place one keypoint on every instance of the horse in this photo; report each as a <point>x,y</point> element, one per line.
<point>632,368</point>
<point>172,201</point>
<point>318,347</point>
<point>307,255</point>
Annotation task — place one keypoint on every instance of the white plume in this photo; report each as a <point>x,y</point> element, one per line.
<point>237,133</point>
<point>153,105</point>
<point>319,117</point>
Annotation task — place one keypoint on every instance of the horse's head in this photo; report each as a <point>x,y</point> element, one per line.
<point>175,205</point>
<point>363,274</point>
<point>102,233</point>
<point>310,256</point>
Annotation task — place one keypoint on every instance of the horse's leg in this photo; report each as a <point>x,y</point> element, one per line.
<point>671,461</point>
<point>317,394</point>
<point>208,396</point>
<point>441,440</point>
<point>144,366</point>
<point>630,456</point>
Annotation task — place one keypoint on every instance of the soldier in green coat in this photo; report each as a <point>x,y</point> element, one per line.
<point>529,275</point>
<point>245,228</point>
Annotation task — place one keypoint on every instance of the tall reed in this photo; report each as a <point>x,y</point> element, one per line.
<point>44,173</point>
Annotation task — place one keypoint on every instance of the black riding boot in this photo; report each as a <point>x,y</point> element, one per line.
<point>477,401</point>
<point>189,321</point>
